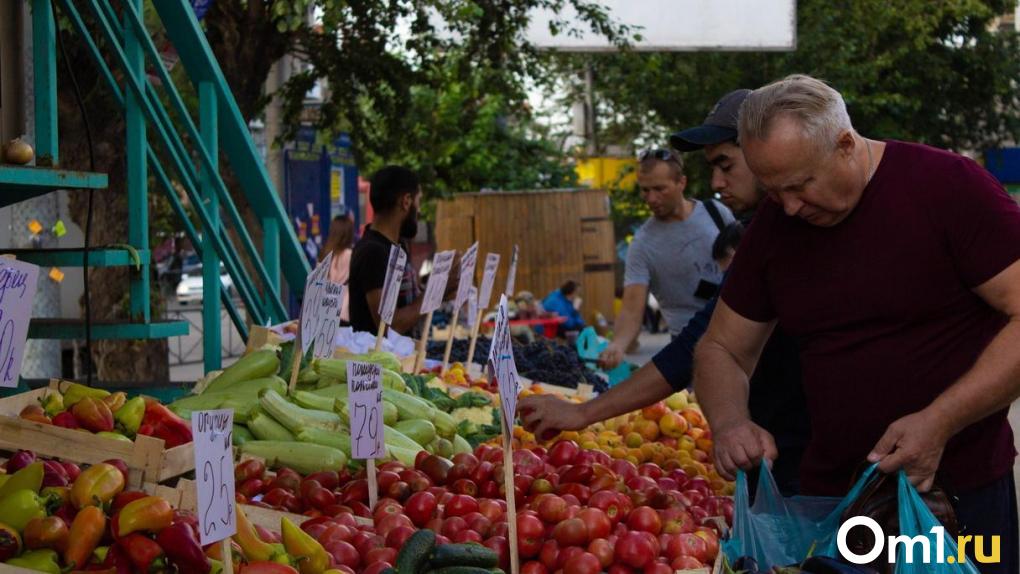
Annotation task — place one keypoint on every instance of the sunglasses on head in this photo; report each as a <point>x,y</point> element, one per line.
<point>659,154</point>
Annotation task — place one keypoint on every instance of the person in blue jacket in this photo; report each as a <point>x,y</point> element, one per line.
<point>561,302</point>
<point>777,400</point>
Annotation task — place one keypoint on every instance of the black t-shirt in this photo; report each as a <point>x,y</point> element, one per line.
<point>368,272</point>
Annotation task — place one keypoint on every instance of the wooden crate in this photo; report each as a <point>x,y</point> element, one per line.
<point>5,569</point>
<point>563,234</point>
<point>146,456</point>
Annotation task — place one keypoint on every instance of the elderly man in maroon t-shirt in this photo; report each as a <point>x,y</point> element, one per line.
<point>897,268</point>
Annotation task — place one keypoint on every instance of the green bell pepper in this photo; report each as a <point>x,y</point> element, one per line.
<point>44,560</point>
<point>129,417</point>
<point>18,508</point>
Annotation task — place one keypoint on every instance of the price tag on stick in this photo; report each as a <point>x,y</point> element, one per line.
<point>488,280</point>
<point>441,265</point>
<point>320,311</point>
<point>391,287</point>
<point>18,282</point>
<point>467,275</point>
<point>511,276</point>
<point>214,474</point>
<point>364,391</point>
<point>502,367</point>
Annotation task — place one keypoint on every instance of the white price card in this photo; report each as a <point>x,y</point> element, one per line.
<point>467,274</point>
<point>511,276</point>
<point>488,280</point>
<point>501,365</point>
<point>18,282</point>
<point>214,473</point>
<point>320,311</point>
<point>472,306</point>
<point>441,265</point>
<point>364,391</point>
<point>391,286</point>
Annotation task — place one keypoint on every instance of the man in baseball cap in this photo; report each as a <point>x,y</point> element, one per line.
<point>717,135</point>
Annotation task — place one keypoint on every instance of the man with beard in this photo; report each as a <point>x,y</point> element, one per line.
<point>395,197</point>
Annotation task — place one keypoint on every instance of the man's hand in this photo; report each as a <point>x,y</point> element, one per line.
<point>742,446</point>
<point>611,357</point>
<point>545,416</point>
<point>915,444</point>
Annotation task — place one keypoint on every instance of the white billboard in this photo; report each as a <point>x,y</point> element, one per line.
<point>679,25</point>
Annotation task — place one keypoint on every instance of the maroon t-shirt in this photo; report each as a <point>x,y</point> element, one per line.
<point>883,307</point>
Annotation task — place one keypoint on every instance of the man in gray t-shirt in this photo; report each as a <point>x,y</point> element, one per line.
<point>671,254</point>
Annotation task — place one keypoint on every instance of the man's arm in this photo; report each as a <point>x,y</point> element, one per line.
<point>404,318</point>
<point>547,415</point>
<point>915,442</point>
<point>723,363</point>
<point>676,360</point>
<point>627,325</point>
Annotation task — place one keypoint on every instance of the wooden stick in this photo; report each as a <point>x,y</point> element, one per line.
<point>474,338</point>
<point>373,485</point>
<point>511,504</point>
<point>379,336</point>
<point>296,358</point>
<point>228,556</point>
<point>449,341</point>
<point>423,344</point>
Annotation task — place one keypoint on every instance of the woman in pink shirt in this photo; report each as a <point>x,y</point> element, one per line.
<point>339,242</point>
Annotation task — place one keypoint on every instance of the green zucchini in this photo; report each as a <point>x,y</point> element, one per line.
<point>256,365</point>
<point>303,457</point>
<point>242,435</point>
<point>414,554</point>
<point>265,427</point>
<point>422,432</point>
<point>474,555</point>
<point>294,417</point>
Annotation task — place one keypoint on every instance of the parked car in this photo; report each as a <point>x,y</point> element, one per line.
<point>189,290</point>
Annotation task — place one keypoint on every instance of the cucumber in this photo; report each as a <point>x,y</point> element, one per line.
<point>472,555</point>
<point>415,553</point>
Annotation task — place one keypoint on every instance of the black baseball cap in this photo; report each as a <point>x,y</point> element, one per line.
<point>718,127</point>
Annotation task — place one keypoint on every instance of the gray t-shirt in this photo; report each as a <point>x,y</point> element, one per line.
<point>672,258</point>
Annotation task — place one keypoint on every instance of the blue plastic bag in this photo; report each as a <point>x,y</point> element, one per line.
<point>778,531</point>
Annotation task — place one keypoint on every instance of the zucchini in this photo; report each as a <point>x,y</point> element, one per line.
<point>390,414</point>
<point>332,391</point>
<point>337,440</point>
<point>242,435</point>
<point>294,417</point>
<point>385,359</point>
<point>474,555</point>
<point>410,407</point>
<point>265,427</point>
<point>243,407</point>
<point>460,444</point>
<point>393,437</point>
<point>312,401</point>
<point>445,425</point>
<point>422,432</point>
<point>405,456</point>
<point>256,365</point>
<point>303,457</point>
<point>414,554</point>
<point>337,369</point>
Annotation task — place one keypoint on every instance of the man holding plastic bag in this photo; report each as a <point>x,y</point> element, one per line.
<point>897,267</point>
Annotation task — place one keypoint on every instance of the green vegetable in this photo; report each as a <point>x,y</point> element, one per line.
<point>393,437</point>
<point>460,570</point>
<point>214,399</point>
<point>310,400</point>
<point>337,369</point>
<point>384,359</point>
<point>337,440</point>
<point>303,457</point>
<point>265,427</point>
<point>256,365</point>
<point>294,417</point>
<point>43,560</point>
<point>460,444</point>
<point>445,425</point>
<point>242,435</point>
<point>410,407</point>
<point>464,555</point>
<point>243,407</point>
<point>415,552</point>
<point>472,399</point>
<point>404,455</point>
<point>422,432</point>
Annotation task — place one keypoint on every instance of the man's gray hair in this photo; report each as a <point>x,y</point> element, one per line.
<point>816,106</point>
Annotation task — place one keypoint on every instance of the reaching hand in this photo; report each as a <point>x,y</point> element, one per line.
<point>546,416</point>
<point>611,357</point>
<point>742,446</point>
<point>915,444</point>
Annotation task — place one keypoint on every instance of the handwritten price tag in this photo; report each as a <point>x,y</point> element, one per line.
<point>511,276</point>
<point>364,390</point>
<point>391,287</point>
<point>441,266</point>
<point>18,282</point>
<point>472,306</point>
<point>467,274</point>
<point>502,367</point>
<point>488,280</point>
<point>214,473</point>
<point>320,311</point>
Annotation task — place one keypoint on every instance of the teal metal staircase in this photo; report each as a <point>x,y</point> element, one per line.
<point>179,152</point>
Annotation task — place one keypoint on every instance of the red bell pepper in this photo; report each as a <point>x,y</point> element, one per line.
<point>165,424</point>
<point>183,550</point>
<point>118,559</point>
<point>143,552</point>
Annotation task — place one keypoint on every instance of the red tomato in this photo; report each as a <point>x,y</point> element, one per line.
<point>618,568</point>
<point>645,519</point>
<point>534,567</point>
<point>377,568</point>
<point>584,563</point>
<point>482,473</point>
<point>530,533</point>
<point>420,507</point>
<point>694,546</point>
<point>686,563</point>
<point>388,555</point>
<point>608,502</point>
<point>388,523</point>
<point>460,505</point>
<point>603,550</point>
<point>598,524</point>
<point>552,509</point>
<point>480,524</point>
<point>398,536</point>
<point>489,509</point>
<point>464,486</point>
<point>563,452</point>
<point>550,555</point>
<point>386,506</point>
<point>658,568</point>
<point>711,542</point>
<point>579,491</point>
<point>571,532</point>
<point>501,547</point>
<point>635,550</point>
<point>453,525</point>
<point>467,535</point>
<point>566,554</point>
<point>343,554</point>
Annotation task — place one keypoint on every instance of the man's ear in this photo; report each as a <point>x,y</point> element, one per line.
<point>406,200</point>
<point>846,143</point>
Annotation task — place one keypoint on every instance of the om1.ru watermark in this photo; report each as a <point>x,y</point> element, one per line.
<point>909,545</point>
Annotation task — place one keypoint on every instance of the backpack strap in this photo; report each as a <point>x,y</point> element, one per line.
<point>713,212</point>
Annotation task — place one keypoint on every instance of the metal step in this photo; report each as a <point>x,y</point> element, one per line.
<point>72,257</point>
<point>103,330</point>
<point>18,183</point>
